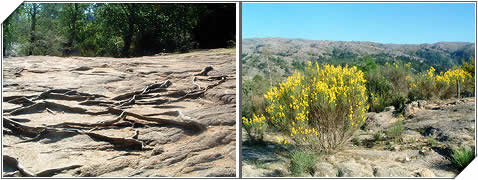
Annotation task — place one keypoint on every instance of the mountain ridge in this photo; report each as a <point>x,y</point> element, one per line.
<point>288,53</point>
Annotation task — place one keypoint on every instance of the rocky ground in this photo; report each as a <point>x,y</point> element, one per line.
<point>431,130</point>
<point>116,117</point>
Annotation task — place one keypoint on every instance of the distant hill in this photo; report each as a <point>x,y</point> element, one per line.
<point>288,54</point>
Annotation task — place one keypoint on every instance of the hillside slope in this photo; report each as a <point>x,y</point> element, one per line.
<point>288,54</point>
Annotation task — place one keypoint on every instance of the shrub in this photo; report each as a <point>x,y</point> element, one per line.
<point>378,136</point>
<point>395,131</point>
<point>462,157</point>
<point>398,101</point>
<point>449,81</point>
<point>423,86</point>
<point>443,85</point>
<point>254,128</point>
<point>252,96</point>
<point>301,162</point>
<point>388,85</point>
<point>356,141</point>
<point>320,108</point>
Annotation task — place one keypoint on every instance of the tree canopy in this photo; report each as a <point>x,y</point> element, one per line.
<point>117,29</point>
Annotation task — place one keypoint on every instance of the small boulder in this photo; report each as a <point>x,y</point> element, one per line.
<point>391,172</point>
<point>353,170</point>
<point>426,173</point>
<point>324,170</point>
<point>157,150</point>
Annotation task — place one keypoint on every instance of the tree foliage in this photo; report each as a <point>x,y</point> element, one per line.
<point>117,29</point>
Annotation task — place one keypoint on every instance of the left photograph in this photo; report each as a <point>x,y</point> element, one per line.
<point>119,90</point>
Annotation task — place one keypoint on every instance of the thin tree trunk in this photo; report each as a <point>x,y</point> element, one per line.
<point>73,28</point>
<point>457,88</point>
<point>32,37</point>
<point>128,35</point>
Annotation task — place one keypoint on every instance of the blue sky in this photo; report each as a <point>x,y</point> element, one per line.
<point>401,23</point>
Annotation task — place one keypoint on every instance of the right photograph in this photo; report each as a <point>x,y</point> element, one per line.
<point>357,89</point>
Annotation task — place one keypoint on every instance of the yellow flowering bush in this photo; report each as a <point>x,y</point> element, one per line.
<point>254,127</point>
<point>443,85</point>
<point>423,86</point>
<point>447,82</point>
<point>319,108</point>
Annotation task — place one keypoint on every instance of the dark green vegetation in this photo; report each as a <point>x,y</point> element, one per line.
<point>119,30</point>
<point>396,130</point>
<point>460,158</point>
<point>301,162</point>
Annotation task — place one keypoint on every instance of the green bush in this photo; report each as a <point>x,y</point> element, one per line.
<point>301,162</point>
<point>254,127</point>
<point>398,102</point>
<point>253,101</point>
<point>388,85</point>
<point>378,136</point>
<point>395,131</point>
<point>461,157</point>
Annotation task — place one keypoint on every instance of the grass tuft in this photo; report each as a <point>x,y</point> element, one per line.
<point>301,162</point>
<point>462,157</point>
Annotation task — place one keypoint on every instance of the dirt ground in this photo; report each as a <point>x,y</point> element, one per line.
<point>115,117</point>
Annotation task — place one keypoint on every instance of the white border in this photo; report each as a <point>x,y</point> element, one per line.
<point>8,6</point>
<point>238,105</point>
